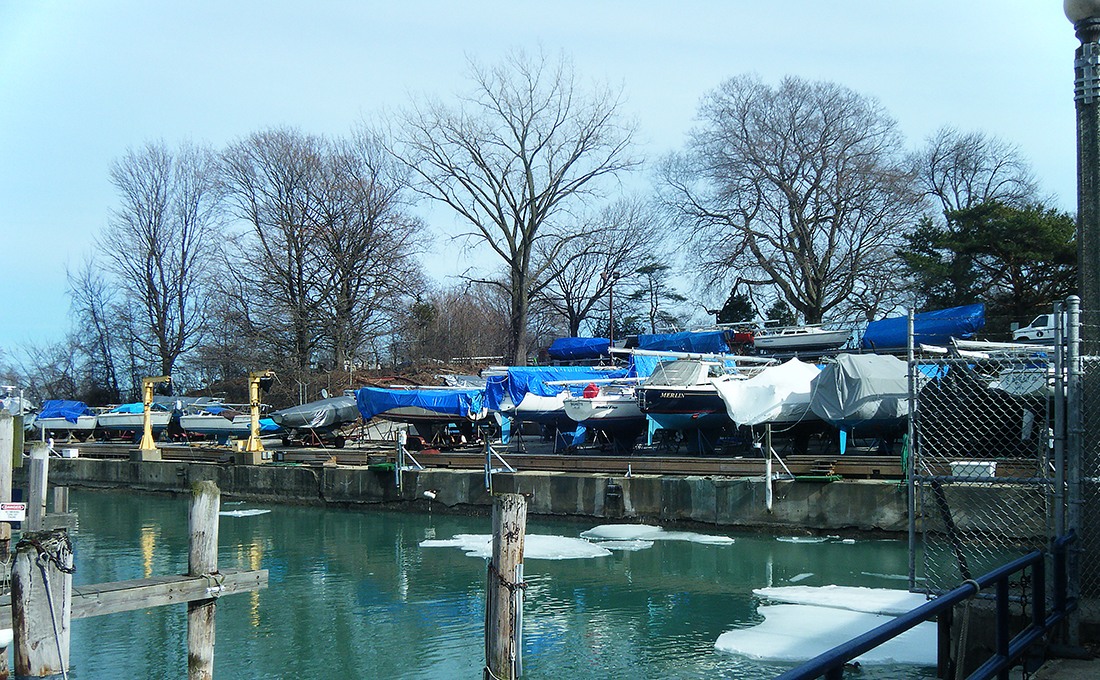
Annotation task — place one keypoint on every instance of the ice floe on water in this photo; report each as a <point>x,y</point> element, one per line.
<point>535,546</point>
<point>854,598</point>
<point>801,577</point>
<point>629,546</point>
<point>796,633</point>
<point>801,539</point>
<point>890,577</point>
<point>645,532</point>
<point>243,513</point>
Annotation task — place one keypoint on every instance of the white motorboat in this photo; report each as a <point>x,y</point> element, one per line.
<point>218,421</point>
<point>801,338</point>
<point>63,419</point>
<point>606,407</point>
<point>131,418</point>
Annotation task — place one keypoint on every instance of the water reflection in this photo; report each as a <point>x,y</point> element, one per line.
<point>353,595</point>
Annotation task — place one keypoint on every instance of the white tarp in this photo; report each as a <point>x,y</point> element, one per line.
<point>777,394</point>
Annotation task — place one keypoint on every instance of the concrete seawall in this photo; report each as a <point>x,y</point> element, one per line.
<point>863,505</point>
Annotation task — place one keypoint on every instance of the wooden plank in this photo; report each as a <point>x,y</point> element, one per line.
<point>157,591</point>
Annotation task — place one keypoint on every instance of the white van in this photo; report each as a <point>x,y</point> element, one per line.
<point>1040,331</point>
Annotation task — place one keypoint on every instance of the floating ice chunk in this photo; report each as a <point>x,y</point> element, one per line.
<point>849,541</point>
<point>243,513</point>
<point>801,539</point>
<point>870,600</point>
<point>890,577</point>
<point>645,532</point>
<point>535,546</point>
<point>792,632</point>
<point>636,544</point>
<point>801,577</point>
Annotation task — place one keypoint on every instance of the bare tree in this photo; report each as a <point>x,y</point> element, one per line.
<point>961,171</point>
<point>269,178</point>
<point>803,187</point>
<point>94,310</point>
<point>367,242</point>
<point>328,257</point>
<point>620,239</point>
<point>455,322</point>
<point>523,147</point>
<point>160,243</point>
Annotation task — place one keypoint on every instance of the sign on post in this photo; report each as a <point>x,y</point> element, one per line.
<point>13,512</point>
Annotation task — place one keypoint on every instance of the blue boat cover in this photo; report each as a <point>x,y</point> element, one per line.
<point>460,403</point>
<point>578,348</point>
<point>269,425</point>
<point>932,328</point>
<point>710,342</point>
<point>62,408</point>
<point>519,380</point>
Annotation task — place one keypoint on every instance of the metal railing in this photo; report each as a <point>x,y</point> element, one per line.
<point>830,664</point>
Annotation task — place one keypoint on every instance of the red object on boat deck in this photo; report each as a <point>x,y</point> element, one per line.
<point>590,391</point>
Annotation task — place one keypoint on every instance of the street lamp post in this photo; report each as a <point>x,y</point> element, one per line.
<point>1085,15</point>
<point>610,278</point>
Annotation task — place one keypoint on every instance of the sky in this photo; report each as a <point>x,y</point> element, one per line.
<point>83,82</point>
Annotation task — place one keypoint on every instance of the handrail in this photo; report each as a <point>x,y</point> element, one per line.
<point>830,664</point>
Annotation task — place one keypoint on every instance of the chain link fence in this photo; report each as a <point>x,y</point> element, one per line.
<point>983,463</point>
<point>1083,458</point>
<point>1005,456</point>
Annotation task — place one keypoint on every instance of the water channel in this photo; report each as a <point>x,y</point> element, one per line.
<point>353,595</point>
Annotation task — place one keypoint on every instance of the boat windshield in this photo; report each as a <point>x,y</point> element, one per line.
<point>679,373</point>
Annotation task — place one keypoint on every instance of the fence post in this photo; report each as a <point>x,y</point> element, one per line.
<point>1074,454</point>
<point>503,601</point>
<point>202,561</point>
<point>911,449</point>
<point>36,496</point>
<point>7,447</point>
<point>41,595</point>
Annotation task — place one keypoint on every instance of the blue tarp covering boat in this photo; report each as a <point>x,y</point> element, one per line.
<point>519,381</point>
<point>711,342</point>
<point>63,408</point>
<point>578,348</point>
<point>373,401</point>
<point>931,328</point>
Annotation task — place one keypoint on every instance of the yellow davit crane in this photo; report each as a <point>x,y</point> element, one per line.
<point>257,380</point>
<point>148,446</point>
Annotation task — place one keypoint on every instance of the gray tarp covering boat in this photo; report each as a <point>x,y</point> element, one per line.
<point>864,392</point>
<point>324,414</point>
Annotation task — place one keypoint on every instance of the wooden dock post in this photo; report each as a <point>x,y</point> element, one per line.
<point>504,596</point>
<point>36,494</point>
<point>41,594</point>
<point>202,561</point>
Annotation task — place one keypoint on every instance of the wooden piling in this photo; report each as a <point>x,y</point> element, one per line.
<point>41,593</point>
<point>202,561</point>
<point>504,596</point>
<point>61,500</point>
<point>36,496</point>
